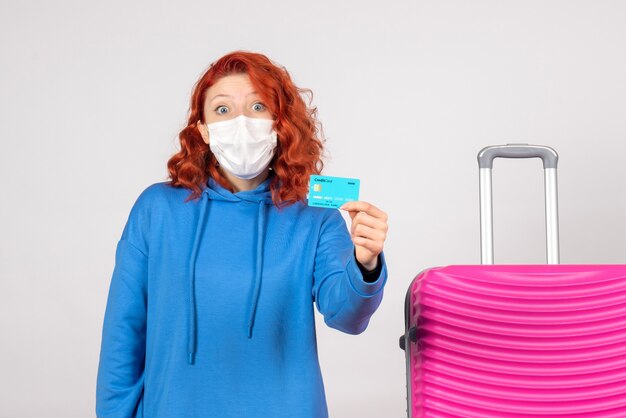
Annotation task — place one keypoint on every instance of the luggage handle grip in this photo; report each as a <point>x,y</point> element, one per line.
<point>488,154</point>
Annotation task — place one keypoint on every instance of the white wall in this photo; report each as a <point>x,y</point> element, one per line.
<point>93,95</point>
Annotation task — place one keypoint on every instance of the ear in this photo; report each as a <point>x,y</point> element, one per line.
<point>203,131</point>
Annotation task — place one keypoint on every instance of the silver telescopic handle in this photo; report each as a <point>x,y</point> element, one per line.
<point>485,162</point>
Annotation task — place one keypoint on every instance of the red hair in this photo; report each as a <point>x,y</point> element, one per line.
<point>299,150</point>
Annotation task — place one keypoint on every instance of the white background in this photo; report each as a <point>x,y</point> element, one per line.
<point>93,95</point>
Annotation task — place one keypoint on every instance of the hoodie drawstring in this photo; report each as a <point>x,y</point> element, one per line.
<point>258,272</point>
<point>191,337</point>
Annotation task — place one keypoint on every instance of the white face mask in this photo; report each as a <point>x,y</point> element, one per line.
<point>244,146</point>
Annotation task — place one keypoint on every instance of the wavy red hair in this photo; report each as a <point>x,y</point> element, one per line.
<point>300,146</point>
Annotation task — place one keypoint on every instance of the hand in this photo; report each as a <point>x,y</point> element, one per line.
<point>368,231</point>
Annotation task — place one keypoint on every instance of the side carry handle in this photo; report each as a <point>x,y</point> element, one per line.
<point>485,163</point>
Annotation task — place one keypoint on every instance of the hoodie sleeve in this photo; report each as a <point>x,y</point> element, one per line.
<point>341,294</point>
<point>121,368</point>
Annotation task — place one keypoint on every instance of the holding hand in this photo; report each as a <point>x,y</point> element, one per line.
<point>368,231</point>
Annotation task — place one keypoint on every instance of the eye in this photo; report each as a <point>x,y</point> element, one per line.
<point>221,110</point>
<point>258,107</point>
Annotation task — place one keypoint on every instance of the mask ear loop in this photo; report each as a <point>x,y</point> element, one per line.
<point>217,163</point>
<point>276,152</point>
<point>272,162</point>
<point>211,155</point>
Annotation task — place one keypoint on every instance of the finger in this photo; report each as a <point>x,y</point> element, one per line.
<point>362,218</point>
<point>375,247</point>
<point>369,233</point>
<point>366,207</point>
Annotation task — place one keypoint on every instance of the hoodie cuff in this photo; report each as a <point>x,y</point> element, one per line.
<point>360,286</point>
<point>370,276</point>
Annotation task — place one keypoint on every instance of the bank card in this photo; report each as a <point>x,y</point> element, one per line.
<point>332,192</point>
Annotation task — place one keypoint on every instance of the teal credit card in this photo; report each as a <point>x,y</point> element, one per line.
<point>332,192</point>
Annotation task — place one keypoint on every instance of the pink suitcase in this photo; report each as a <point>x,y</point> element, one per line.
<point>516,341</point>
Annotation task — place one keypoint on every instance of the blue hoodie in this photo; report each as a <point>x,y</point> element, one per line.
<point>210,307</point>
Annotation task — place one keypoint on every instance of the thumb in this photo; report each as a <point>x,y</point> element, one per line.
<point>352,214</point>
<point>346,207</point>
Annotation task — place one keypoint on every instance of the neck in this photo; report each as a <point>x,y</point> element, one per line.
<point>242,185</point>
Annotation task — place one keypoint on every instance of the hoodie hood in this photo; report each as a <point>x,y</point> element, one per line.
<point>262,197</point>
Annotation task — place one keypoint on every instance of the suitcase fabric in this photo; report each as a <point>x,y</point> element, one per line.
<point>516,341</point>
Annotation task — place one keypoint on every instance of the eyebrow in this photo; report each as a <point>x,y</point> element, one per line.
<point>229,96</point>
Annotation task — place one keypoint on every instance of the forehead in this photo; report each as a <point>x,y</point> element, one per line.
<point>232,85</point>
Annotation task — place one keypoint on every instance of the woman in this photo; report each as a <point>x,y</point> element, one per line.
<point>210,307</point>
